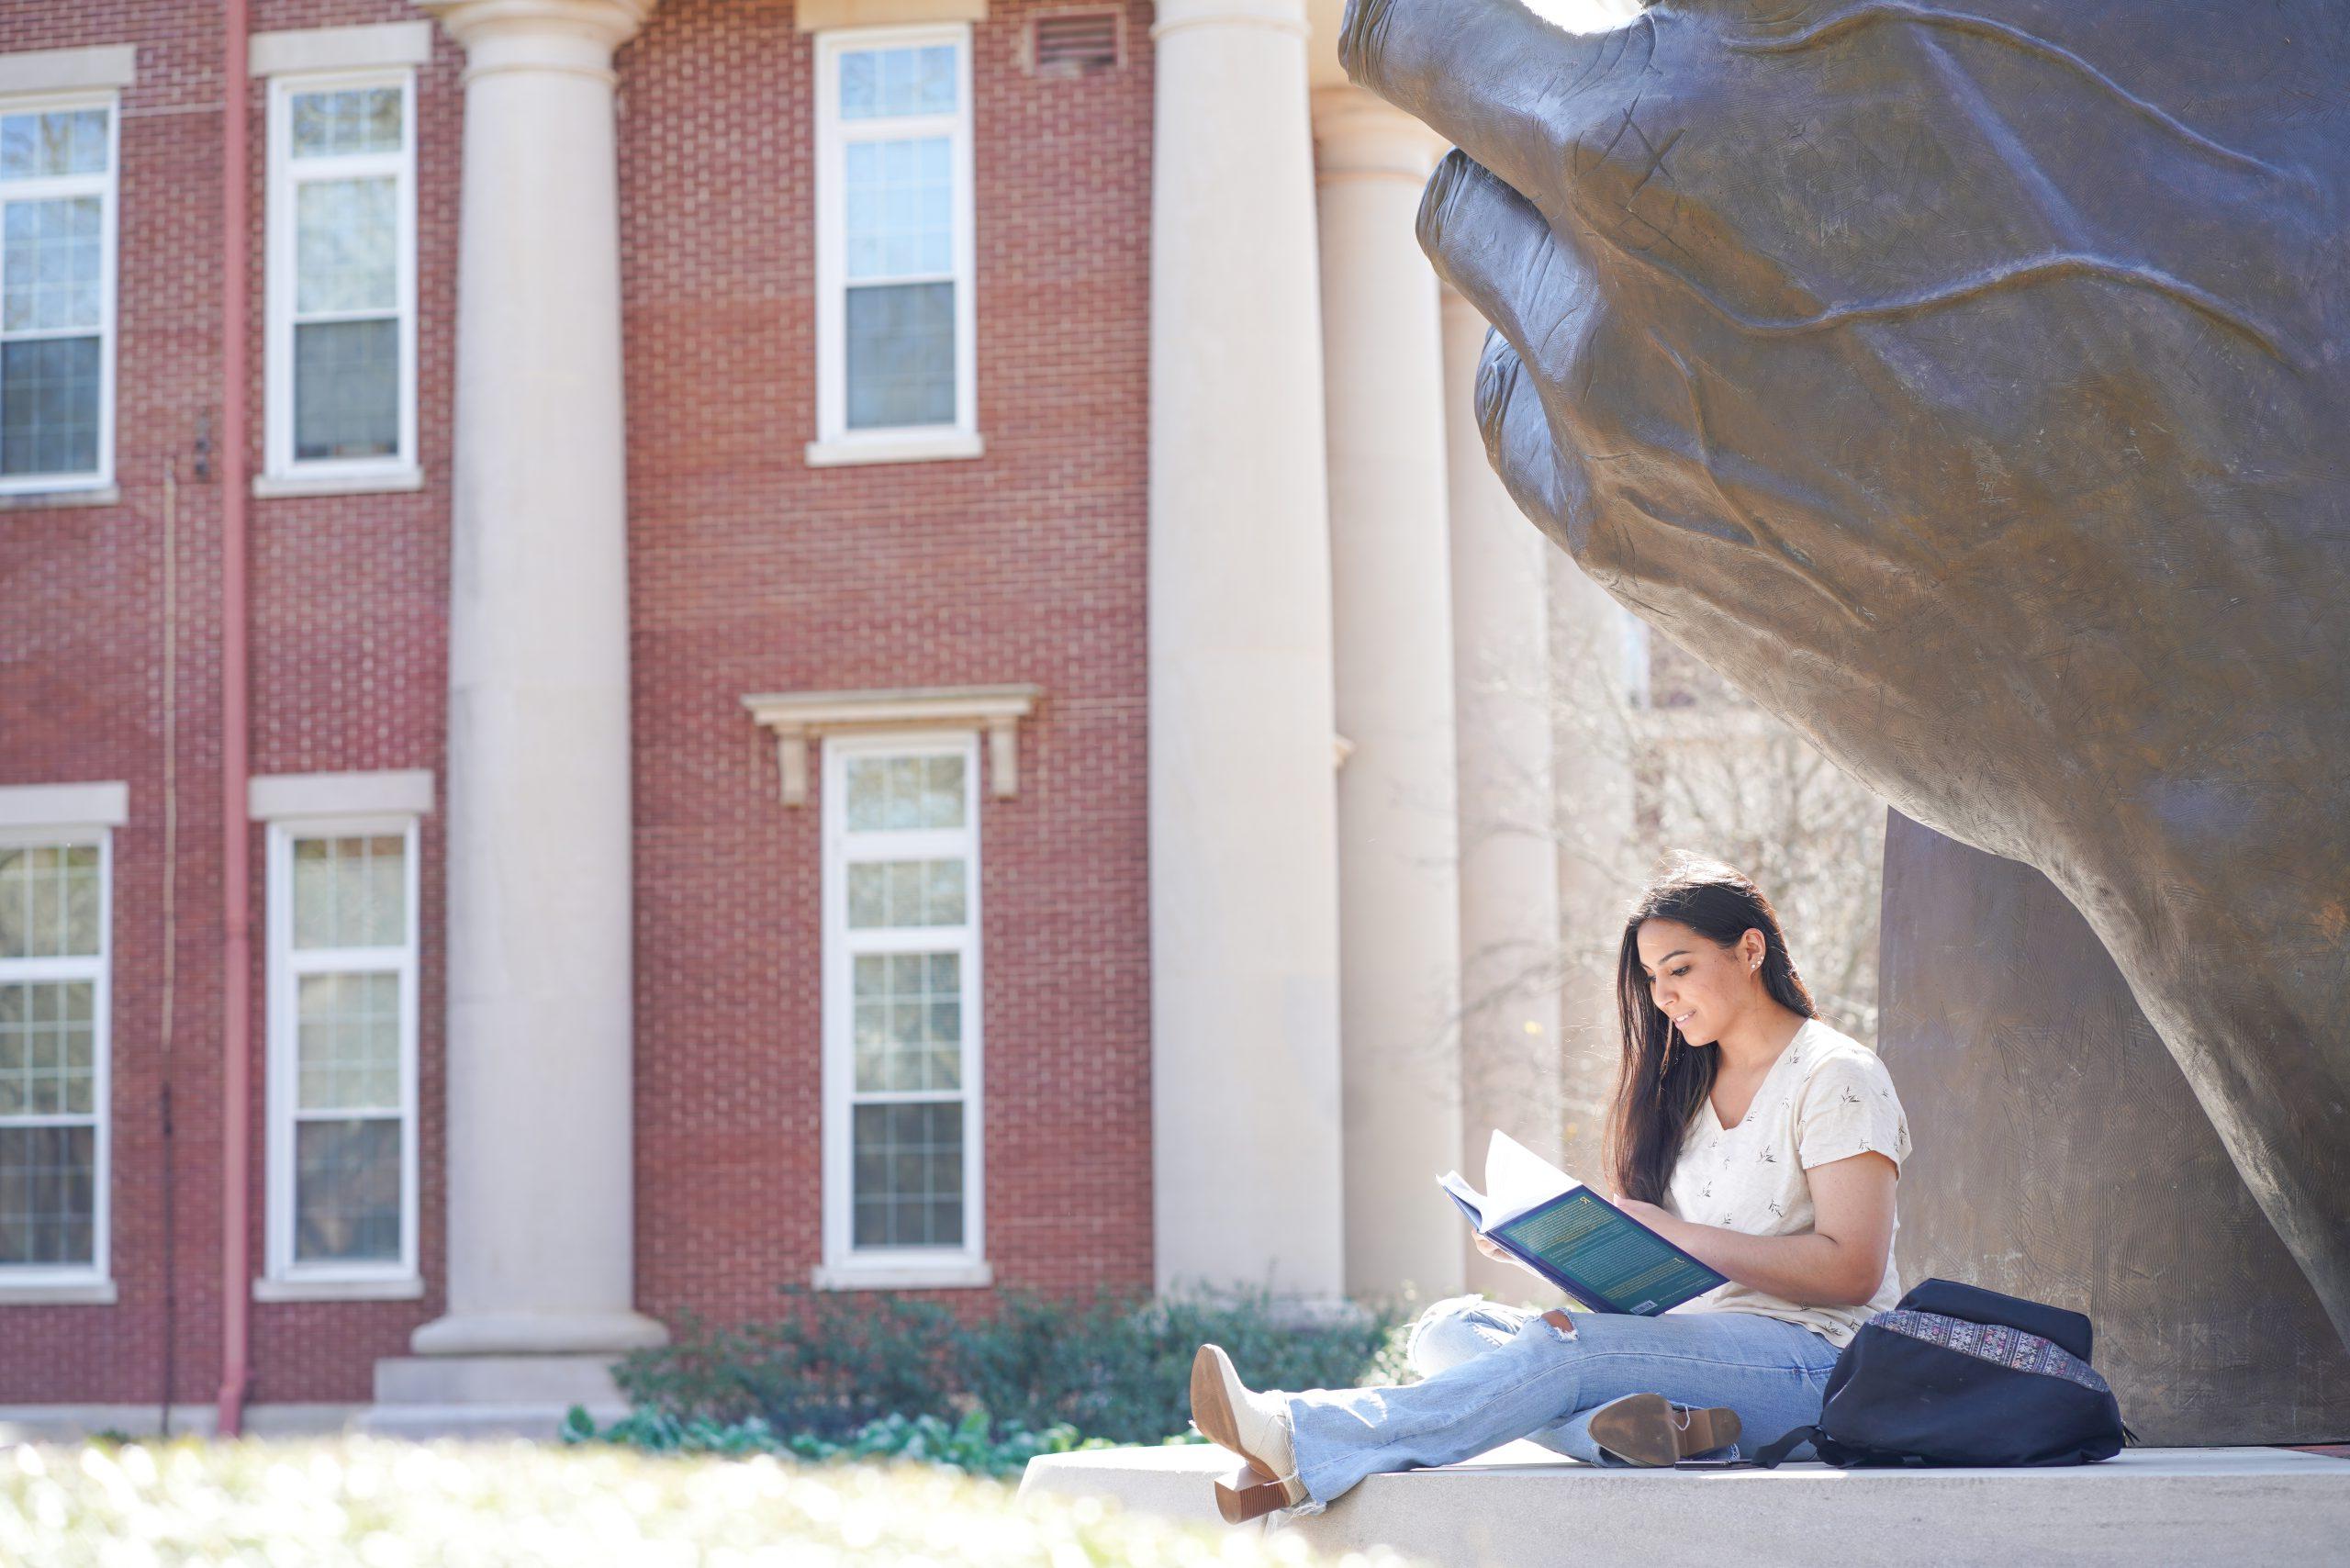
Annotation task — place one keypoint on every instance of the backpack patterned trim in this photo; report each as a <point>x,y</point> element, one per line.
<point>1994,1342</point>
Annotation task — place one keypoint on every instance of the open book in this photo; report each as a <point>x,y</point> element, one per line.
<point>1571,1236</point>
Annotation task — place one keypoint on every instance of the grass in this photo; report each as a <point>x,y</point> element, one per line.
<point>388,1504</point>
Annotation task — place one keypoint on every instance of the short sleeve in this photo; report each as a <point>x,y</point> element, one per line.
<point>1849,1107</point>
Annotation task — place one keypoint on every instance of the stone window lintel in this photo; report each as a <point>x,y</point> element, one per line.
<point>798,717</point>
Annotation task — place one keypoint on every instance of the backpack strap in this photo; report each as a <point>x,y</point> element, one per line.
<point>1772,1455</point>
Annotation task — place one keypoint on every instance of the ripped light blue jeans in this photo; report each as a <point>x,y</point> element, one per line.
<point>1493,1372</point>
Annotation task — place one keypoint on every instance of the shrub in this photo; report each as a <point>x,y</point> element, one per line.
<point>1110,1367</point>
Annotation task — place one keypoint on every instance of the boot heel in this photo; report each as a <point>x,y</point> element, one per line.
<point>1245,1497</point>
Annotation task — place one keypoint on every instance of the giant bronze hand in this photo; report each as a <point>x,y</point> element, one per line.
<point>1967,385</point>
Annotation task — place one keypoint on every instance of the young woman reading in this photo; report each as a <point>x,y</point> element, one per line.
<point>1756,1137</point>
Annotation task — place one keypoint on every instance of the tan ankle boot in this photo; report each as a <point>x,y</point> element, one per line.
<point>1647,1428</point>
<point>1253,1425</point>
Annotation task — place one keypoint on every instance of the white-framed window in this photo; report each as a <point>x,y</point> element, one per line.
<point>341,340</point>
<point>895,317</point>
<point>342,1055</point>
<point>901,987</point>
<point>55,921</point>
<point>57,292</point>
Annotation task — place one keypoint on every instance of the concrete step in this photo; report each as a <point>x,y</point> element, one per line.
<point>1524,1506</point>
<point>482,1397</point>
<point>497,1379</point>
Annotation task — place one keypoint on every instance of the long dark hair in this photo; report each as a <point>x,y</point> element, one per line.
<point>1661,1079</point>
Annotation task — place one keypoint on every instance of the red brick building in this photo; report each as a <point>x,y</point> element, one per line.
<point>795,609</point>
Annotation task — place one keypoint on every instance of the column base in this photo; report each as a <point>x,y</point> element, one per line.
<point>420,1397</point>
<point>606,1333</point>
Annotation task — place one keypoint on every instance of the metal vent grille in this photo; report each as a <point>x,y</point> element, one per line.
<point>1074,43</point>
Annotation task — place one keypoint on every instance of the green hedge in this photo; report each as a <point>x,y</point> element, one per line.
<point>447,1505</point>
<point>1111,1368</point>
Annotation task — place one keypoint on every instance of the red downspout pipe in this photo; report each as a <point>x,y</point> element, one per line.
<point>236,836</point>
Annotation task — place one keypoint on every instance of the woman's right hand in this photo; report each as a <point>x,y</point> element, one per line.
<point>1491,1250</point>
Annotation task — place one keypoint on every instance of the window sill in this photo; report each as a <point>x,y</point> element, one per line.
<point>863,1276</point>
<point>842,451</point>
<point>383,480</point>
<point>82,1292</point>
<point>34,500</point>
<point>410,1288</point>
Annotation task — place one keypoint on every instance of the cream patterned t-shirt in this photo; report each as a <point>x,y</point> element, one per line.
<point>1827,1097</point>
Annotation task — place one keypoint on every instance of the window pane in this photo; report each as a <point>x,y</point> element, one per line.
<point>876,82</point>
<point>346,388</point>
<point>48,1195</point>
<point>48,1049</point>
<point>359,119</point>
<point>48,406</point>
<point>49,279</point>
<point>347,1191</point>
<point>347,1049</point>
<point>80,934</point>
<point>898,204</point>
<point>908,1175</point>
<point>887,793</point>
<point>49,901</point>
<point>350,892</point>
<point>62,141</point>
<point>908,1015</point>
<point>905,892</point>
<point>901,358</point>
<point>346,244</point>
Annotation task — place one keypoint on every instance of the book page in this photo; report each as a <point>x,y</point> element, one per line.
<point>1518,1180</point>
<point>1471,1202</point>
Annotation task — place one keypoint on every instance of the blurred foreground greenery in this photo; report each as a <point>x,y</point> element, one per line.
<point>388,1504</point>
<point>975,1444</point>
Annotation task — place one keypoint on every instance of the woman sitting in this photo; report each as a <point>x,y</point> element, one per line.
<point>1754,1136</point>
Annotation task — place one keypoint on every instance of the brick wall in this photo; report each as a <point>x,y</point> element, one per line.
<point>347,605</point>
<point>750,573</point>
<point>754,573</point>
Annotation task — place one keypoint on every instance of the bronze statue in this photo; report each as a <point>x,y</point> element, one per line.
<point>1966,383</point>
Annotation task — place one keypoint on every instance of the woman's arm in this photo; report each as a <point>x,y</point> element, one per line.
<point>1838,1262</point>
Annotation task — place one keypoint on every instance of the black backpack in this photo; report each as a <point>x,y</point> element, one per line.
<point>1959,1376</point>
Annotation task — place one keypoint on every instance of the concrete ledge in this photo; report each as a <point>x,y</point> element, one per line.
<point>540,1423</point>
<point>1522,1505</point>
<point>75,1423</point>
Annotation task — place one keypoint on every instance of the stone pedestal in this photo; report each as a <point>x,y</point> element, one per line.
<point>1245,1117</point>
<point>2062,1155</point>
<point>539,1023</point>
<point>1399,890</point>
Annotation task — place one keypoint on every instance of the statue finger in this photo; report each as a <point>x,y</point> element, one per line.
<point>1487,241</point>
<point>1541,475</point>
<point>1488,75</point>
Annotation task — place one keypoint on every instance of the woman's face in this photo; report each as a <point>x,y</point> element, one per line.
<point>1700,987</point>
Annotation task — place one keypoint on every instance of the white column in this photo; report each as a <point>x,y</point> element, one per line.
<point>540,1036</point>
<point>1594,753</point>
<point>1245,1116</point>
<point>1398,837</point>
<point>1509,866</point>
